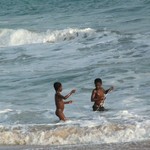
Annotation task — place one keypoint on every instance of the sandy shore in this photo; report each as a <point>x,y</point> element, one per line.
<point>143,145</point>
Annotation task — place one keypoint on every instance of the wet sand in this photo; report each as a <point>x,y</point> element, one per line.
<point>142,145</point>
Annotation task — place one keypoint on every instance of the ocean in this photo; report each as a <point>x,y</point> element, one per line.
<point>74,42</point>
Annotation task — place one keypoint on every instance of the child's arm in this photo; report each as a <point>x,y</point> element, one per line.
<point>68,95</point>
<point>93,99</point>
<point>108,90</point>
<point>68,102</point>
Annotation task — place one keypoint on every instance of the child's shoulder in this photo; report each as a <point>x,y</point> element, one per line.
<point>94,90</point>
<point>102,89</point>
<point>57,94</point>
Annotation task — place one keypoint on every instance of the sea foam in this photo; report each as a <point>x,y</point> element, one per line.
<point>72,134</point>
<point>11,37</point>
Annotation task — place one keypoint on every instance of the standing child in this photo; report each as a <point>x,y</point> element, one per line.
<point>98,95</point>
<point>59,100</point>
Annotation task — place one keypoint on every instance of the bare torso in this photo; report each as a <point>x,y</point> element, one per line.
<point>99,96</point>
<point>59,102</point>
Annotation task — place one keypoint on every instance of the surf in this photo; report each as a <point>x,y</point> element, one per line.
<point>12,37</point>
<point>70,133</point>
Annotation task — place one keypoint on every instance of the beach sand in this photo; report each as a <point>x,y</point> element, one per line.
<point>142,145</point>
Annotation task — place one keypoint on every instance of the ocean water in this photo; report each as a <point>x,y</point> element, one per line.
<point>74,42</point>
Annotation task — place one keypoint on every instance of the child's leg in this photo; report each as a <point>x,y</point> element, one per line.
<point>101,108</point>
<point>60,115</point>
<point>95,108</point>
<point>98,108</point>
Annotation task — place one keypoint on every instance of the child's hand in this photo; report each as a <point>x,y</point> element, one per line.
<point>73,91</point>
<point>111,88</point>
<point>70,102</point>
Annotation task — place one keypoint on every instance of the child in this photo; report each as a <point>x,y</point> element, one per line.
<point>98,95</point>
<point>59,100</point>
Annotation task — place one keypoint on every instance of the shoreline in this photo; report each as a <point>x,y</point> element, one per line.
<point>136,145</point>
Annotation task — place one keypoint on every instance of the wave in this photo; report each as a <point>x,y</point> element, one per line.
<point>10,37</point>
<point>5,111</point>
<point>61,134</point>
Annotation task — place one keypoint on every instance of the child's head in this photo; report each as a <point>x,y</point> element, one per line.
<point>98,83</point>
<point>57,86</point>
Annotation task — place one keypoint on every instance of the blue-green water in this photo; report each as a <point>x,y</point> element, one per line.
<point>74,42</point>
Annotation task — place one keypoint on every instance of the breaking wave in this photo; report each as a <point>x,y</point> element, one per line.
<point>71,134</point>
<point>10,37</point>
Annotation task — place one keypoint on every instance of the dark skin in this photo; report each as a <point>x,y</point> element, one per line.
<point>98,94</point>
<point>60,103</point>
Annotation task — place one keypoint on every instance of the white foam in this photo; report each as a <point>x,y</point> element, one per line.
<point>10,37</point>
<point>5,111</point>
<point>129,117</point>
<point>69,133</point>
